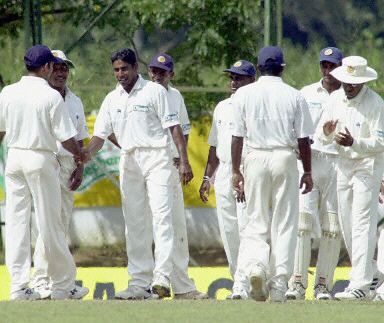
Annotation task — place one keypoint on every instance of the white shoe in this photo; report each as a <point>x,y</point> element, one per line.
<point>194,294</point>
<point>379,297</point>
<point>352,295</point>
<point>376,283</point>
<point>25,294</point>
<point>238,294</point>
<point>161,286</point>
<point>44,289</point>
<point>277,296</point>
<point>134,293</point>
<point>77,293</point>
<point>322,293</point>
<point>258,285</point>
<point>296,292</point>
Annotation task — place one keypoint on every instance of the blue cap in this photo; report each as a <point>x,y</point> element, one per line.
<point>163,61</point>
<point>331,54</point>
<point>242,67</point>
<point>40,55</point>
<point>270,55</point>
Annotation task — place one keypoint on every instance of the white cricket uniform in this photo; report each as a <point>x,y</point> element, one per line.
<point>271,116</point>
<point>321,202</point>
<point>74,106</point>
<point>359,172</point>
<point>180,281</point>
<point>230,213</point>
<point>140,120</point>
<point>34,118</point>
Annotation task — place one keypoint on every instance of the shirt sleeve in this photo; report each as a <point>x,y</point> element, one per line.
<point>103,124</point>
<point>82,128</point>
<point>326,115</point>
<point>62,125</point>
<point>239,115</point>
<point>212,139</point>
<point>374,143</point>
<point>168,114</point>
<point>184,120</point>
<point>2,113</point>
<point>303,125</point>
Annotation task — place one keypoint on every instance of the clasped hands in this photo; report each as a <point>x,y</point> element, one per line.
<point>342,138</point>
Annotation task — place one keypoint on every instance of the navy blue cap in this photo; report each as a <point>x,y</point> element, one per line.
<point>331,54</point>
<point>242,67</point>
<point>163,61</point>
<point>40,55</point>
<point>270,55</point>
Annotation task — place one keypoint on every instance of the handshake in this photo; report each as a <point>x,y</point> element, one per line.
<point>83,156</point>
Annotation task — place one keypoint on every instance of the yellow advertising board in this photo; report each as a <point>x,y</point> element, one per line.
<point>104,282</point>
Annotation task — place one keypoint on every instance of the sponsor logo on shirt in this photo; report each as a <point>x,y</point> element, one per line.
<point>186,127</point>
<point>140,108</point>
<point>314,105</point>
<point>172,117</point>
<point>380,133</point>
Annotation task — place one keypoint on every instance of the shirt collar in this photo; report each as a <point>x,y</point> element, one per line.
<point>31,78</point>
<point>358,98</point>
<point>270,78</point>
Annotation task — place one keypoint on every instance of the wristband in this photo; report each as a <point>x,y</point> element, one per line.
<point>206,178</point>
<point>308,173</point>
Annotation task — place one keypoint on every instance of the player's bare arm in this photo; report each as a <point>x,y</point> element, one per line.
<point>237,176</point>
<point>95,145</point>
<point>210,168</point>
<point>305,156</point>
<point>185,169</point>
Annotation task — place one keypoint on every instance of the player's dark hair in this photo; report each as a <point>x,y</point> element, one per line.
<point>270,68</point>
<point>126,55</point>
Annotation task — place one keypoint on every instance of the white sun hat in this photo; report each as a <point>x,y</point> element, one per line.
<point>60,54</point>
<point>354,70</point>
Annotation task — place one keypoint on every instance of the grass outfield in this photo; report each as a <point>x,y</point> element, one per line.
<point>189,311</point>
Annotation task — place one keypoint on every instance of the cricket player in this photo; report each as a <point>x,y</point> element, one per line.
<point>274,119</point>
<point>321,202</point>
<point>71,174</point>
<point>139,115</point>
<point>230,213</point>
<point>34,118</point>
<point>161,72</point>
<point>354,119</point>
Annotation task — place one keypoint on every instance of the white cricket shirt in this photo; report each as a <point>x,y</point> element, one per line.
<point>317,96</point>
<point>76,111</point>
<point>139,119</point>
<point>33,115</point>
<point>270,114</point>
<point>363,116</point>
<point>220,135</point>
<point>175,99</point>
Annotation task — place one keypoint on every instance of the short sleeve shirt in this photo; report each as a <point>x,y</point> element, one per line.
<point>76,111</point>
<point>270,114</point>
<point>34,116</point>
<point>139,119</point>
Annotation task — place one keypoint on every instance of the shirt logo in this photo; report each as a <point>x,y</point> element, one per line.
<point>358,124</point>
<point>118,110</point>
<point>380,133</point>
<point>172,117</point>
<point>140,108</point>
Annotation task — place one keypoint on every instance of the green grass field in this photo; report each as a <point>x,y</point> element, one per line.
<point>189,311</point>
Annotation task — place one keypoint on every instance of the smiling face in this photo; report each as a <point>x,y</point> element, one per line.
<point>125,73</point>
<point>237,81</point>
<point>59,76</point>
<point>352,90</point>
<point>160,76</point>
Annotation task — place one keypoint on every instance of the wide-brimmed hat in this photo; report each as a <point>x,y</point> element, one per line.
<point>60,54</point>
<point>354,70</point>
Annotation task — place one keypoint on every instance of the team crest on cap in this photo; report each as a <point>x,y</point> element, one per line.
<point>161,59</point>
<point>328,52</point>
<point>56,54</point>
<point>237,64</point>
<point>350,69</point>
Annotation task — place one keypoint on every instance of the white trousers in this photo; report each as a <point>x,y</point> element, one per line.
<point>146,188</point>
<point>358,184</point>
<point>180,281</point>
<point>232,221</point>
<point>67,166</point>
<point>271,178</point>
<point>34,176</point>
<point>319,205</point>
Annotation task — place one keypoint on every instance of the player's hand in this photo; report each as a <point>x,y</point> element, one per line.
<point>185,172</point>
<point>344,139</point>
<point>204,190</point>
<point>306,183</point>
<point>329,127</point>
<point>76,178</point>
<point>176,162</point>
<point>381,196</point>
<point>238,185</point>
